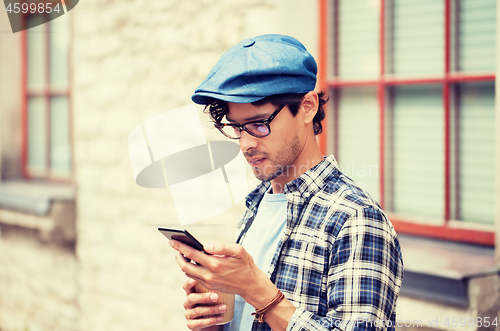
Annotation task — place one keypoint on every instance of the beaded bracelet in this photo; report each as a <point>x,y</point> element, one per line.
<point>259,313</point>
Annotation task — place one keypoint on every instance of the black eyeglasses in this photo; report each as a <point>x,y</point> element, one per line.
<point>259,128</point>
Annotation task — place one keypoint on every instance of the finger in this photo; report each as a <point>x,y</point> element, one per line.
<point>205,311</point>
<point>233,250</point>
<point>186,267</point>
<point>206,299</point>
<point>203,323</point>
<point>188,251</point>
<point>193,272</point>
<point>189,285</point>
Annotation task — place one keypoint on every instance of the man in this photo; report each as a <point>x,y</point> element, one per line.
<point>315,252</point>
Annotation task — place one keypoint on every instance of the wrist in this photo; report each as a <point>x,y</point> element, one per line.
<point>260,313</point>
<point>261,292</point>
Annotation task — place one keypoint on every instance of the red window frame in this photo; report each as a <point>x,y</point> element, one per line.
<point>46,93</point>
<point>447,80</point>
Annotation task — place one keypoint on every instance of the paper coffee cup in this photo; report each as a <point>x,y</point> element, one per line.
<point>224,298</point>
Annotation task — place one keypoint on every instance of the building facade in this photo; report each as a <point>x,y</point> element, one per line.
<point>412,117</point>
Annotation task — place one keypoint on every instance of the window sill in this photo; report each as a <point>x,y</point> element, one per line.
<point>464,232</point>
<point>48,209</point>
<point>441,271</point>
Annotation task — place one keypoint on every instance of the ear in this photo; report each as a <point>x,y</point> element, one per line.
<point>309,106</point>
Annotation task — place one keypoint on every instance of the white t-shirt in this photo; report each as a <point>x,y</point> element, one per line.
<point>261,242</point>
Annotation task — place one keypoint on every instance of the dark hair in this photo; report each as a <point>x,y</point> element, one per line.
<point>217,109</point>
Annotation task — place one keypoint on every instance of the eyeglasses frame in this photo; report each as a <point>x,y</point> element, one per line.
<point>241,127</point>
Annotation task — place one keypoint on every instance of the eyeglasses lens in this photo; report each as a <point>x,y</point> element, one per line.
<point>258,129</point>
<point>255,129</point>
<point>231,131</point>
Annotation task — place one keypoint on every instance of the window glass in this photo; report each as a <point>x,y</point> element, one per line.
<point>37,55</point>
<point>422,149</point>
<point>359,137</point>
<point>476,153</point>
<point>358,38</point>
<point>59,43</point>
<point>36,135</point>
<point>48,119</point>
<point>417,41</point>
<point>476,35</point>
<point>60,154</point>
<point>418,151</point>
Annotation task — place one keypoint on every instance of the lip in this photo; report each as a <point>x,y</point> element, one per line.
<point>255,162</point>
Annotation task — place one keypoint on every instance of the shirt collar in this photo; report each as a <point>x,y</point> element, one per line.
<point>307,184</point>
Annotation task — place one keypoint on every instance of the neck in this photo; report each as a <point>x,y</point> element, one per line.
<point>310,156</point>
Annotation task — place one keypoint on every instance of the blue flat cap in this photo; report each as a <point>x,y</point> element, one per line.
<point>259,67</point>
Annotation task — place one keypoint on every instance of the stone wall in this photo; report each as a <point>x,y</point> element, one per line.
<point>132,61</point>
<point>38,288</point>
<point>38,266</point>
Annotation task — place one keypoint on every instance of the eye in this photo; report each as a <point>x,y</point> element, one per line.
<point>258,128</point>
<point>230,131</point>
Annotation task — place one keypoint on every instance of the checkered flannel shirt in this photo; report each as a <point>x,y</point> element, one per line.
<point>339,261</point>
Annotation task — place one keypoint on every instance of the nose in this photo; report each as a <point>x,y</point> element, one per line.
<point>247,141</point>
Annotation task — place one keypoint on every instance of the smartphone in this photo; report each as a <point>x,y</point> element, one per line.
<point>183,236</point>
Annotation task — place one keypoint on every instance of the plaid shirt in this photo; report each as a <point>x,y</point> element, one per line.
<point>339,261</point>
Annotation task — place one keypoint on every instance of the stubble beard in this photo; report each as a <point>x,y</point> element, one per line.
<point>280,163</point>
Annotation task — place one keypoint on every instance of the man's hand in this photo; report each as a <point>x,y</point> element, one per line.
<point>201,311</point>
<point>230,269</point>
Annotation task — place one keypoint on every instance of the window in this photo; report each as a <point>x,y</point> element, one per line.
<point>46,113</point>
<point>412,88</point>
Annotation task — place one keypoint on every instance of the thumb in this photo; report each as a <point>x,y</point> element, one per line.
<point>222,249</point>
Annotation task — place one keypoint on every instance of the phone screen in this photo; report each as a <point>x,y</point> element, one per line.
<point>183,236</point>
